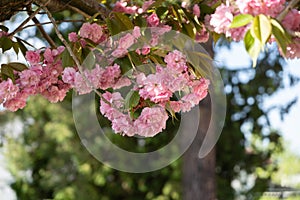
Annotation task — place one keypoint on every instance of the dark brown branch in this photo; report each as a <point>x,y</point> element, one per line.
<point>24,22</point>
<point>58,22</point>
<point>8,8</point>
<point>43,32</point>
<point>290,6</point>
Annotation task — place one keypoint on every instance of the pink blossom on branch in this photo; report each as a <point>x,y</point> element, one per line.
<point>151,121</point>
<point>7,90</point>
<point>93,32</point>
<point>33,57</point>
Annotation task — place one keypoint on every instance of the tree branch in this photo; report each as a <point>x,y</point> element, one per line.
<point>285,11</point>
<point>77,63</point>
<point>43,32</point>
<point>58,22</point>
<point>26,21</point>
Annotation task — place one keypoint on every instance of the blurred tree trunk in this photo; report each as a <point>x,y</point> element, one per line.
<point>199,181</point>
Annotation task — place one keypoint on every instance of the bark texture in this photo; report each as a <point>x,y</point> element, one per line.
<point>8,8</point>
<point>199,178</point>
<point>199,174</point>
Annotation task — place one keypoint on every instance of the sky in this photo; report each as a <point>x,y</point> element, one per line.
<point>289,127</point>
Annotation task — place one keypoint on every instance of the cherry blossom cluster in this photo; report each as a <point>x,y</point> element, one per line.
<point>220,21</point>
<point>156,90</point>
<point>42,77</point>
<point>155,97</point>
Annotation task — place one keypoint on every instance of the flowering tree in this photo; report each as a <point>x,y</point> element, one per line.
<point>167,83</point>
<point>173,85</point>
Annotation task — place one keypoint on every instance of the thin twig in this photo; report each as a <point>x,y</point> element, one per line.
<point>78,11</point>
<point>45,23</point>
<point>19,28</point>
<point>43,32</point>
<point>62,39</point>
<point>285,11</point>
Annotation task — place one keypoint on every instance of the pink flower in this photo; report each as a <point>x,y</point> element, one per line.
<point>146,49</point>
<point>151,121</point>
<point>293,49</point>
<point>136,33</point>
<point>176,60</point>
<point>8,90</point>
<point>121,82</point>
<point>172,79</point>
<point>175,106</point>
<point>202,36</point>
<point>92,32</point>
<point>222,18</point>
<point>237,34</point>
<point>153,20</point>
<point>69,76</point>
<point>256,7</point>
<point>122,7</point>
<point>110,76</point>
<point>292,20</point>
<point>56,93</point>
<point>152,88</point>
<point>33,57</point>
<point>124,43</point>
<point>196,10</point>
<point>147,4</point>
<point>50,55</point>
<point>81,85</point>
<point>73,37</point>
<point>17,102</point>
<point>29,78</point>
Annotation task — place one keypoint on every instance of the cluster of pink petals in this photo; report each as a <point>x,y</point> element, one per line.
<point>123,7</point>
<point>159,88</point>
<point>292,20</point>
<point>221,20</point>
<point>93,32</point>
<point>151,121</point>
<point>103,78</point>
<point>255,7</point>
<point>153,20</point>
<point>123,44</point>
<point>293,49</point>
<point>41,78</point>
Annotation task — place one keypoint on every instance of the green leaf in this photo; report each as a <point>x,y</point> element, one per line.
<point>253,47</point>
<point>21,46</point>
<point>7,72</point>
<point>67,60</point>
<point>281,36</point>
<point>17,66</point>
<point>241,20</point>
<point>189,29</point>
<point>132,99</point>
<point>16,47</point>
<point>261,28</point>
<point>4,28</point>
<point>162,12</point>
<point>124,21</point>
<point>113,26</point>
<point>5,43</point>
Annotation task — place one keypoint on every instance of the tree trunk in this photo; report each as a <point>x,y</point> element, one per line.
<point>199,174</point>
<point>199,181</point>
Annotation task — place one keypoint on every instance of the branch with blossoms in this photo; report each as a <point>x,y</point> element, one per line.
<point>126,51</point>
